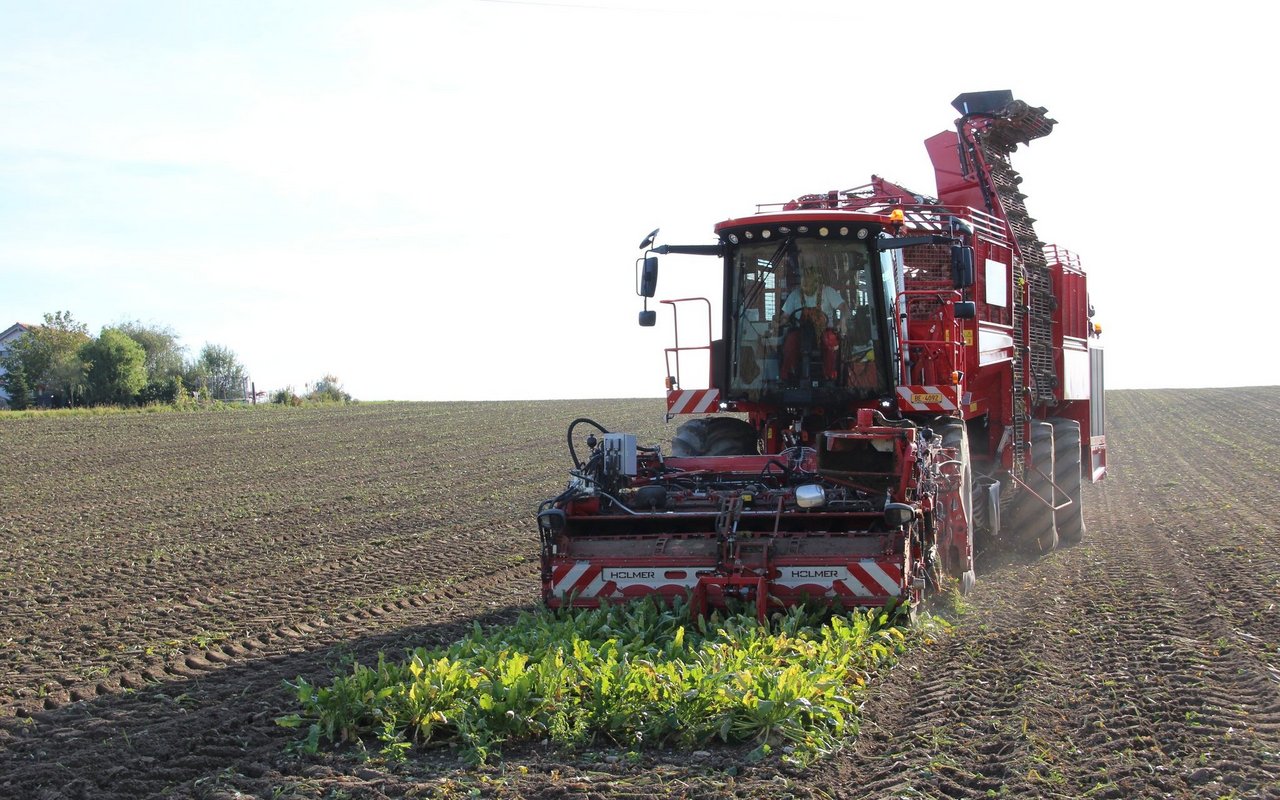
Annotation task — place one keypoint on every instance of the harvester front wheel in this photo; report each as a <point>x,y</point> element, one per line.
<point>715,436</point>
<point>1035,527</point>
<point>1066,459</point>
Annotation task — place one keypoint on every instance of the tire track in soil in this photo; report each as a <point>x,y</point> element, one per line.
<point>275,601</point>
<point>261,604</point>
<point>212,711</point>
<point>1211,501</point>
<point>1109,670</point>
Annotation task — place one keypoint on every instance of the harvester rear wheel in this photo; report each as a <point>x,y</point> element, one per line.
<point>1034,526</point>
<point>955,434</point>
<point>1066,459</point>
<point>715,436</point>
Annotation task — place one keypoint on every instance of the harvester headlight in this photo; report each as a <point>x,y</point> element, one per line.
<point>748,234</point>
<point>898,514</point>
<point>766,233</point>
<point>552,520</point>
<point>882,445</point>
<point>811,495</point>
<point>733,238</point>
<point>862,233</point>
<point>844,231</point>
<point>823,231</point>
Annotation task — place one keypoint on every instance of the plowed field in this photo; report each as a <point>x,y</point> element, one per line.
<point>164,574</point>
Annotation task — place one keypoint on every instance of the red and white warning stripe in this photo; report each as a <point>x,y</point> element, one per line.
<point>928,398</point>
<point>693,401</point>
<point>870,578</point>
<point>583,579</point>
<point>580,578</point>
<point>863,579</point>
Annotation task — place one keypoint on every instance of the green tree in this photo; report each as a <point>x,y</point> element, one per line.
<point>47,359</point>
<point>218,372</point>
<point>116,370</point>
<point>165,361</point>
<point>328,390</point>
<point>15,385</point>
<point>165,355</point>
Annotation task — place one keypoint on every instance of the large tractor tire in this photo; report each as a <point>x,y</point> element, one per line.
<point>956,435</point>
<point>1034,527</point>
<point>1067,474</point>
<point>715,436</point>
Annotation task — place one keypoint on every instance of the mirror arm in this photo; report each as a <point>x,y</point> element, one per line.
<point>690,249</point>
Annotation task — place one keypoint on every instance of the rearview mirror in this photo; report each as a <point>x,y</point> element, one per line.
<point>961,266</point>
<point>649,277</point>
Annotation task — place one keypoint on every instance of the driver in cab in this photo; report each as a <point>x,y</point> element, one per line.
<point>809,315</point>
<point>817,301</point>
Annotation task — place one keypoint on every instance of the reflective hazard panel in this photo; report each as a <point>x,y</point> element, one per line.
<point>928,398</point>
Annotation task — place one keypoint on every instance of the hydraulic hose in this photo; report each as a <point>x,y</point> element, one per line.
<point>572,452</point>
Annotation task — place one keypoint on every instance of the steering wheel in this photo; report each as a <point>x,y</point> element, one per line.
<point>796,318</point>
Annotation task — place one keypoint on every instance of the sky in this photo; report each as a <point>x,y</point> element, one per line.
<point>444,200</point>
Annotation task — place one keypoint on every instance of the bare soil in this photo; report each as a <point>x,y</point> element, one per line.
<point>165,574</point>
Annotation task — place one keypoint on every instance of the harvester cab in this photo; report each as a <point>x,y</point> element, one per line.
<point>810,311</point>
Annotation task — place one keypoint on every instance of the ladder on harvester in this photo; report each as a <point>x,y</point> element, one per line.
<point>988,142</point>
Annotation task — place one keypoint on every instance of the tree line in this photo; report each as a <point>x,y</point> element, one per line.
<point>60,364</point>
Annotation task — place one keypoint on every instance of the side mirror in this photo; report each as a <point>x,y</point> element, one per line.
<point>648,318</point>
<point>961,266</point>
<point>966,309</point>
<point>648,277</point>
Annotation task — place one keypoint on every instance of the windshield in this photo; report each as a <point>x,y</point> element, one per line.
<point>804,317</point>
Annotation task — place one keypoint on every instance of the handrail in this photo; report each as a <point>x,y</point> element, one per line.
<point>673,379</point>
<point>1061,255</point>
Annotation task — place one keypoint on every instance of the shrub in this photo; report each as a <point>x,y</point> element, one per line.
<point>328,390</point>
<point>165,390</point>
<point>286,397</point>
